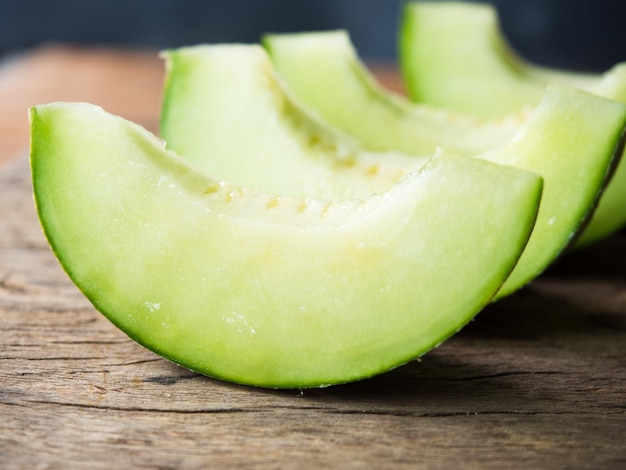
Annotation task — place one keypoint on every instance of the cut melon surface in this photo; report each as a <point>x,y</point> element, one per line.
<point>572,139</point>
<point>324,71</point>
<point>265,290</point>
<point>225,110</point>
<point>453,55</point>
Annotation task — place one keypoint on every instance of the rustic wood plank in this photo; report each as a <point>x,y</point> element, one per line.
<point>537,381</point>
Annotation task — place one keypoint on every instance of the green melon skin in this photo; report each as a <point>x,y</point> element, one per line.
<point>263,289</point>
<point>453,55</point>
<point>322,69</point>
<point>572,139</point>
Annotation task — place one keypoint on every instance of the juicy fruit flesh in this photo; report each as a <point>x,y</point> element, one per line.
<point>213,91</point>
<point>570,139</point>
<point>323,70</point>
<point>574,149</point>
<point>472,69</point>
<point>462,30</point>
<point>269,291</point>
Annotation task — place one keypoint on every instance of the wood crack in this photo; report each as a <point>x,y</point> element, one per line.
<point>131,363</point>
<point>502,374</point>
<point>55,358</point>
<point>149,410</point>
<point>312,409</point>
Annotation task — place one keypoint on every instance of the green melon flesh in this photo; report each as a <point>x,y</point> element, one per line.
<point>267,290</point>
<point>324,72</point>
<point>571,139</point>
<point>453,55</point>
<point>225,110</point>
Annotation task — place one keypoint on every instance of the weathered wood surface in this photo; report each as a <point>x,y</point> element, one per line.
<point>536,381</point>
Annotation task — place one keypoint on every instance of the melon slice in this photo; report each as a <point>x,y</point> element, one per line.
<point>225,110</point>
<point>323,70</point>
<point>454,56</point>
<point>572,139</point>
<point>263,289</point>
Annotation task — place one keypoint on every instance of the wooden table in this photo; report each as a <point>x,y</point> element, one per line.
<point>536,381</point>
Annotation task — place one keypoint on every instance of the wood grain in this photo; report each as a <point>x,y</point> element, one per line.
<point>538,380</point>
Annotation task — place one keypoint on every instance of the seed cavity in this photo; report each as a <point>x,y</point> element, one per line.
<point>326,210</point>
<point>314,140</point>
<point>213,188</point>
<point>236,193</point>
<point>272,203</point>
<point>373,170</point>
<point>302,206</point>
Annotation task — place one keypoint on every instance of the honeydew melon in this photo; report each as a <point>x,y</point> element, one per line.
<point>453,55</point>
<point>571,139</point>
<point>263,289</point>
<point>323,71</point>
<point>214,92</point>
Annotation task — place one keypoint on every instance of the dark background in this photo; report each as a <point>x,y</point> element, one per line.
<point>579,34</point>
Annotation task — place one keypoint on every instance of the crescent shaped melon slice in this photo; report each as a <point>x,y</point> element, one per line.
<point>323,70</point>
<point>214,92</point>
<point>453,55</point>
<point>572,139</point>
<point>263,289</point>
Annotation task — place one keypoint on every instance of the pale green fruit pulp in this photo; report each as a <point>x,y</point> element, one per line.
<point>265,290</point>
<point>571,138</point>
<point>453,55</point>
<point>324,72</point>
<point>226,112</point>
